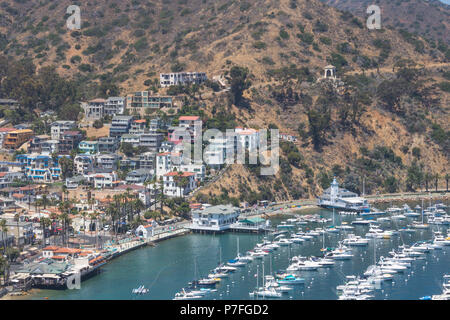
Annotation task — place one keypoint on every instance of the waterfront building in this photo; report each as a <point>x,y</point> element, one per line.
<point>146,231</point>
<point>181,78</point>
<point>340,198</point>
<point>59,127</point>
<point>214,218</point>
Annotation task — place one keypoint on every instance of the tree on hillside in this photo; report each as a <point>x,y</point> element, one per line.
<point>239,83</point>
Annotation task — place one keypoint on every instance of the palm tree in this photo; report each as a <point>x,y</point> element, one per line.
<point>45,223</point>
<point>16,219</point>
<point>436,179</point>
<point>84,214</point>
<point>4,230</point>
<point>427,178</point>
<point>447,177</point>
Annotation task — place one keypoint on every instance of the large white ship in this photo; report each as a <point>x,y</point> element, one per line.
<point>340,198</point>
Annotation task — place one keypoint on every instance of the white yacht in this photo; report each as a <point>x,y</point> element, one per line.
<point>353,240</point>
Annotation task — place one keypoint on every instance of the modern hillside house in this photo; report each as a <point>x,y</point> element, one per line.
<point>181,78</point>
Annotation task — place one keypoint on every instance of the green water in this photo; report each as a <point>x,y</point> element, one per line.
<point>169,266</point>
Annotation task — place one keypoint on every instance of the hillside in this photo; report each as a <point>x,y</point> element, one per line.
<point>389,123</point>
<point>428,18</point>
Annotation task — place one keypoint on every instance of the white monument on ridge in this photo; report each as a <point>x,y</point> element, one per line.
<point>330,72</point>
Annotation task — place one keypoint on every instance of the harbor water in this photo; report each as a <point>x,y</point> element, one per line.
<point>168,267</point>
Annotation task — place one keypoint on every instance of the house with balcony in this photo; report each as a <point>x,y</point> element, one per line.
<point>151,140</point>
<point>103,180</point>
<point>83,163</point>
<point>68,141</point>
<point>138,176</point>
<point>114,106</point>
<point>89,147</point>
<point>41,168</point>
<point>108,144</point>
<point>120,125</point>
<point>14,139</point>
<point>59,127</point>
<point>179,184</point>
<point>106,162</point>
<point>139,102</point>
<point>94,109</point>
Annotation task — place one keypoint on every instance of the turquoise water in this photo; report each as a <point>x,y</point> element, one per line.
<point>169,266</point>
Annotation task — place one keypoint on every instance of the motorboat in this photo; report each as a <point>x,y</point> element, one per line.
<point>291,280</point>
<point>361,221</point>
<point>266,293</point>
<point>353,240</point>
<point>183,295</point>
<point>236,263</point>
<point>309,265</point>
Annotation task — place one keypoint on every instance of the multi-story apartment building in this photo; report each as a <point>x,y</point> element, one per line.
<point>151,140</point>
<point>107,162</point>
<point>36,143</point>
<point>120,125</point>
<point>42,168</point>
<point>69,141</point>
<point>140,101</point>
<point>114,106</point>
<point>83,163</point>
<point>3,133</point>
<point>94,109</point>
<point>59,127</point>
<point>108,144</point>
<point>138,127</point>
<point>138,176</point>
<point>147,161</point>
<point>130,138</point>
<point>49,147</point>
<point>181,78</point>
<point>14,139</point>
